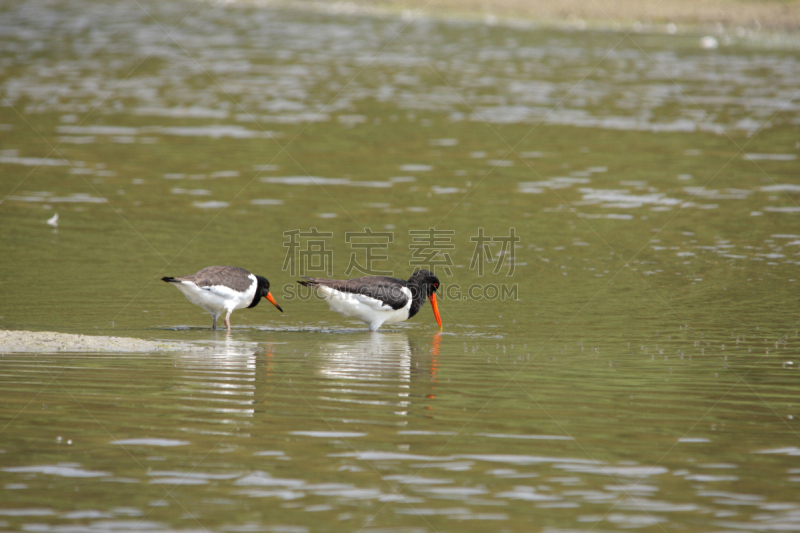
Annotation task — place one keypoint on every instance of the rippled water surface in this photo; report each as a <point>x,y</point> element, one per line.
<point>631,363</point>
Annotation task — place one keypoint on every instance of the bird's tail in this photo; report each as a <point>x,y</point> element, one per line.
<point>310,282</point>
<point>170,279</point>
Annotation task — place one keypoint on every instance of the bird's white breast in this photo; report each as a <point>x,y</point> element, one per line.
<point>364,308</point>
<point>219,297</point>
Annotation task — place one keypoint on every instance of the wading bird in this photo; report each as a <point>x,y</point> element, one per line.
<point>223,289</point>
<point>376,300</point>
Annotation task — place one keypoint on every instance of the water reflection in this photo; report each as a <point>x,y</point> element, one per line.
<point>233,380</point>
<point>375,370</point>
<point>378,357</point>
<point>221,381</point>
<point>379,370</point>
<point>371,448</point>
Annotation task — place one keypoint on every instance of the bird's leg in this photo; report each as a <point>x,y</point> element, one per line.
<point>214,324</point>
<point>228,322</point>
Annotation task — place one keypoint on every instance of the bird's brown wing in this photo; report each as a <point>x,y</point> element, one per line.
<point>235,278</point>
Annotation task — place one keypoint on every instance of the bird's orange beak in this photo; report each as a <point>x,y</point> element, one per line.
<point>273,302</point>
<point>436,310</point>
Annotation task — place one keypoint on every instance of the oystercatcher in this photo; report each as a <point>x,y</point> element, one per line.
<point>378,299</point>
<point>223,288</point>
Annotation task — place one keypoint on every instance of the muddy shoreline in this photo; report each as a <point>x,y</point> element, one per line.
<point>752,15</point>
<point>53,342</point>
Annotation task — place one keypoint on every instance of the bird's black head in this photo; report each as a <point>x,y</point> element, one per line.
<point>425,284</point>
<point>426,280</point>
<point>263,286</point>
<point>262,291</point>
<point>432,283</point>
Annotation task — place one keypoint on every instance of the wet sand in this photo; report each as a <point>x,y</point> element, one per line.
<point>50,342</point>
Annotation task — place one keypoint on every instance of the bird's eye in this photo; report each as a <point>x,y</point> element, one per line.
<point>436,285</point>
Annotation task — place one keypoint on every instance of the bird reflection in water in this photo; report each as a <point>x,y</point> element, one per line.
<point>436,344</point>
<point>385,374</point>
<point>219,384</point>
<point>366,370</point>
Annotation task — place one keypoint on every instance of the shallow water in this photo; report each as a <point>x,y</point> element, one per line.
<point>637,368</point>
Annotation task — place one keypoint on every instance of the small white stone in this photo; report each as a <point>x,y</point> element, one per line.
<point>709,43</point>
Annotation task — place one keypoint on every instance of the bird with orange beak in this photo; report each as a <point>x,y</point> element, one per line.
<point>376,300</point>
<point>223,289</point>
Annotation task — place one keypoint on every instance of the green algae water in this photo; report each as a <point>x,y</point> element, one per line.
<point>614,218</point>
